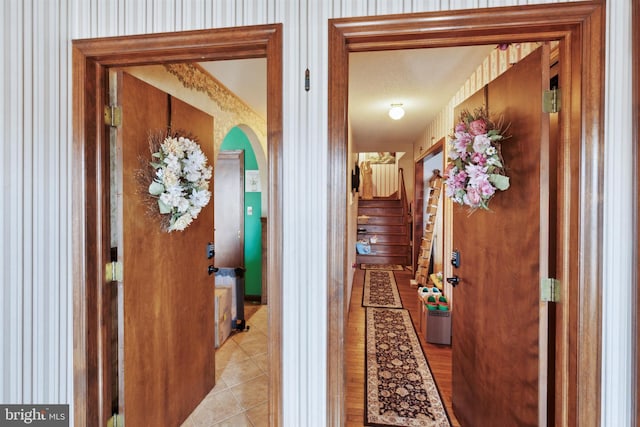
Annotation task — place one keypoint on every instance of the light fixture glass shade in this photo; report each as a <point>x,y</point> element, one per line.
<point>396,112</point>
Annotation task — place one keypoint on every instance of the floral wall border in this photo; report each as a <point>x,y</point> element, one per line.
<point>233,111</point>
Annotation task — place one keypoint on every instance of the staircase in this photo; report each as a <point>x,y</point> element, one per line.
<point>387,222</point>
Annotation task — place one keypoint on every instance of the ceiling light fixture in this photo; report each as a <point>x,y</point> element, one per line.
<point>396,112</point>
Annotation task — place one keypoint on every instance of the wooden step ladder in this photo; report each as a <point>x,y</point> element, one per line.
<point>426,245</point>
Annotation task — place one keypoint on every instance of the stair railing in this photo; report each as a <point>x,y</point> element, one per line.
<point>402,195</point>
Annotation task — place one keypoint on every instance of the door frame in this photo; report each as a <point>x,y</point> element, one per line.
<point>635,83</point>
<point>418,188</point>
<point>579,27</point>
<point>91,60</point>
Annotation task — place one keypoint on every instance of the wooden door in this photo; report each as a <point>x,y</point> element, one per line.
<point>168,294</point>
<point>499,342</point>
<point>229,196</point>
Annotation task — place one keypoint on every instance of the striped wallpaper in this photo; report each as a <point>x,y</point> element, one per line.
<point>35,263</point>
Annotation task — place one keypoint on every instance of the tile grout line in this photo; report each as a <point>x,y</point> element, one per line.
<point>232,357</point>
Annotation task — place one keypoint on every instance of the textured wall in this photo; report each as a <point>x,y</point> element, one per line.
<point>385,179</point>
<point>493,65</point>
<point>617,325</point>
<point>35,263</point>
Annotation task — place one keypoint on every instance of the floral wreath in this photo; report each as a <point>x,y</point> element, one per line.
<point>475,168</point>
<point>179,178</point>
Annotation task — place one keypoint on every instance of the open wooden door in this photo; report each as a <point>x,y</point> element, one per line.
<point>499,331</point>
<point>168,352</point>
<point>229,196</point>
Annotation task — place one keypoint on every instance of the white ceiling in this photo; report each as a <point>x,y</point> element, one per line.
<point>247,78</point>
<point>423,80</point>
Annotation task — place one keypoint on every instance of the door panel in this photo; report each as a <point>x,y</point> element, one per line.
<point>503,253</point>
<point>229,195</point>
<point>168,295</point>
<point>194,332</point>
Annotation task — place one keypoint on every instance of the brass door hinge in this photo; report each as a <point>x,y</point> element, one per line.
<point>112,115</point>
<point>550,290</point>
<point>551,101</point>
<point>113,272</point>
<point>116,420</point>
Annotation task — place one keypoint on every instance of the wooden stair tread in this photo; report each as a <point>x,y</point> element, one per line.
<point>385,219</point>
<point>379,203</point>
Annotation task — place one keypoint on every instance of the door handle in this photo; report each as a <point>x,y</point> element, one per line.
<point>453,281</point>
<point>211,269</point>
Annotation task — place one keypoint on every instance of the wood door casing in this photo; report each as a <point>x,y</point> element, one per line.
<point>496,348</point>
<point>91,61</point>
<point>418,206</point>
<point>635,10</point>
<point>168,295</point>
<point>579,28</point>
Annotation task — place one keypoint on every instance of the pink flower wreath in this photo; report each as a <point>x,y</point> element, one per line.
<point>475,168</point>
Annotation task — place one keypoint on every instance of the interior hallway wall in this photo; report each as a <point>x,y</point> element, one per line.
<point>35,224</point>
<point>237,140</point>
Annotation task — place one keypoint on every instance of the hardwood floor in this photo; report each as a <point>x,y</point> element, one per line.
<point>439,356</point>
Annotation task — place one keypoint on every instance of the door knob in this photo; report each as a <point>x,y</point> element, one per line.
<point>211,269</point>
<point>453,281</point>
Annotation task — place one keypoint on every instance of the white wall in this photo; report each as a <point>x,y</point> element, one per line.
<point>618,240</point>
<point>35,227</point>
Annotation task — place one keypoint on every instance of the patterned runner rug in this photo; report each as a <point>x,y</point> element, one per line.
<point>380,290</point>
<point>396,267</point>
<point>400,390</point>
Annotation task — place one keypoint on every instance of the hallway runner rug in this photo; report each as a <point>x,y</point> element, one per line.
<point>380,290</point>
<point>396,267</point>
<point>400,390</point>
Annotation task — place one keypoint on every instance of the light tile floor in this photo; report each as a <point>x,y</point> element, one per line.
<point>240,396</point>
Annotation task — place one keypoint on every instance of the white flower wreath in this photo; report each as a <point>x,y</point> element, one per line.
<point>181,181</point>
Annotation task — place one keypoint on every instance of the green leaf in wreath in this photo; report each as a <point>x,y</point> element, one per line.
<point>156,189</point>
<point>157,155</point>
<point>164,208</point>
<point>156,165</point>
<point>501,182</point>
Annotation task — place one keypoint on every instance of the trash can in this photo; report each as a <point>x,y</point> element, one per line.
<point>233,277</point>
<point>438,327</point>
